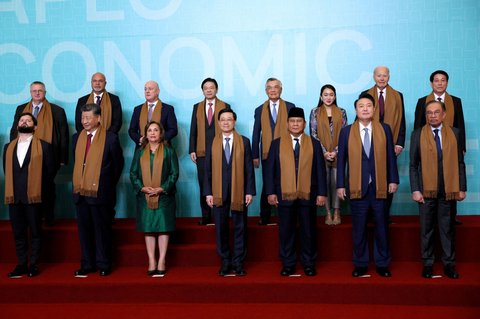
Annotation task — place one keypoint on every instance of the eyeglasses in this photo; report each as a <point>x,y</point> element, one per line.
<point>37,91</point>
<point>434,113</point>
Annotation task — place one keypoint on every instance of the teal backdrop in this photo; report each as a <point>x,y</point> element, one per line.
<point>240,43</point>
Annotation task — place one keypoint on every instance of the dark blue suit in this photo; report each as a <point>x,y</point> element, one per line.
<point>221,213</point>
<point>290,211</point>
<point>265,208</point>
<point>361,207</point>
<point>93,213</point>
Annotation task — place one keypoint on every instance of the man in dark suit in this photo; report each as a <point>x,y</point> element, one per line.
<point>106,100</point>
<point>28,165</point>
<point>366,146</point>
<point>270,123</point>
<point>202,131</point>
<point>454,113</point>
<point>152,110</point>
<point>52,128</point>
<point>295,183</point>
<point>436,186</point>
<point>98,165</point>
<point>230,187</point>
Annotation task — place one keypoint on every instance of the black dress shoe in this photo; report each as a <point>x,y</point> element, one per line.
<point>450,272</point>
<point>310,271</point>
<point>384,271</point>
<point>458,222</point>
<point>224,270</point>
<point>205,221</point>
<point>287,271</point>
<point>18,271</point>
<point>33,271</point>
<point>427,272</point>
<point>83,272</point>
<point>359,271</point>
<point>239,271</point>
<point>105,272</point>
<point>264,221</point>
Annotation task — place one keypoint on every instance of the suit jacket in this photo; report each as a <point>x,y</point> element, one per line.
<point>112,166</point>
<point>401,133</point>
<point>416,183</point>
<point>20,174</point>
<point>209,130</point>
<point>458,120</point>
<point>272,179</point>
<point>368,163</point>
<point>167,119</point>
<point>249,175</point>
<point>257,129</point>
<point>60,134</point>
<point>116,123</point>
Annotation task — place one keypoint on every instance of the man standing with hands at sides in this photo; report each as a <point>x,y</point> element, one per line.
<point>98,165</point>
<point>203,127</point>
<point>229,187</point>
<point>153,109</point>
<point>52,127</point>
<point>270,123</point>
<point>437,180</point>
<point>296,183</point>
<point>366,147</point>
<point>28,165</point>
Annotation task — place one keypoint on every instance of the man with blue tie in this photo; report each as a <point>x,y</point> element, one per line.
<point>366,148</point>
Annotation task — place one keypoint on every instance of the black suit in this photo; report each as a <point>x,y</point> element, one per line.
<point>221,213</point>
<point>116,122</point>
<point>435,210</point>
<point>25,216</point>
<point>93,213</point>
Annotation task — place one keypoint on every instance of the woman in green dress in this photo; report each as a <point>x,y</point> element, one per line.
<point>153,173</point>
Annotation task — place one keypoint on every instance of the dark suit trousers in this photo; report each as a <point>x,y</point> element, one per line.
<point>265,207</point>
<point>222,227</point>
<point>25,217</point>
<point>94,230</point>
<point>206,210</point>
<point>360,209</point>
<point>433,211</point>
<point>288,216</point>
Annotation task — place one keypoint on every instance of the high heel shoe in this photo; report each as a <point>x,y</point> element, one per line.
<point>328,219</point>
<point>150,273</point>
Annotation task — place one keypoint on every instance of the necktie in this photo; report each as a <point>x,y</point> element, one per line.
<point>87,148</point>
<point>274,112</point>
<point>439,99</point>
<point>99,99</point>
<point>150,111</point>
<point>210,113</point>
<point>437,143</point>
<point>35,111</point>
<point>381,104</point>
<point>366,142</point>
<point>227,149</point>
<point>296,150</point>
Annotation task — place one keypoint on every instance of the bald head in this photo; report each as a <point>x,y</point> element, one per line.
<point>98,82</point>
<point>151,91</point>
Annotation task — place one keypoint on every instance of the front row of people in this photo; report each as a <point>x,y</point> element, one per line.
<point>295,182</point>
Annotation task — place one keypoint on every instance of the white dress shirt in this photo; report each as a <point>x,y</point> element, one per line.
<point>22,149</point>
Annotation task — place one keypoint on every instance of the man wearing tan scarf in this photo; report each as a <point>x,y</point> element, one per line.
<point>270,123</point>
<point>97,169</point>
<point>52,128</point>
<point>296,183</point>
<point>437,181</point>
<point>203,127</point>
<point>366,159</point>
<point>29,167</point>
<point>229,187</point>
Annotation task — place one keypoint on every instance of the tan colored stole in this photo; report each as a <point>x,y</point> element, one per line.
<point>292,187</point>
<point>280,129</point>
<point>355,148</point>
<point>152,177</point>
<point>34,183</point>
<point>393,109</point>
<point>86,176</point>
<point>106,106</point>
<point>238,185</point>
<point>44,129</point>
<point>201,140</point>
<point>156,116</point>
<point>448,105</point>
<point>328,138</point>
<point>428,154</point>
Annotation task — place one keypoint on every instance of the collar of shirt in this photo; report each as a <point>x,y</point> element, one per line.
<point>439,96</point>
<point>93,134</point>
<point>207,106</point>
<point>439,132</point>
<point>39,106</point>
<point>154,104</point>
<point>230,141</point>
<point>25,141</point>
<point>362,132</point>
<point>22,149</point>
<point>95,96</point>
<point>277,104</point>
<point>384,90</point>
<point>299,140</point>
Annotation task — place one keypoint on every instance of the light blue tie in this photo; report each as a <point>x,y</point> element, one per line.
<point>227,149</point>
<point>274,112</point>
<point>35,111</point>
<point>366,142</point>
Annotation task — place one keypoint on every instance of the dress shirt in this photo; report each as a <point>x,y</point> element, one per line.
<point>213,108</point>
<point>362,132</point>
<point>95,97</point>
<point>230,142</point>
<point>294,142</point>
<point>439,133</point>
<point>277,104</point>
<point>22,149</point>
<point>440,96</point>
<point>39,107</point>
<point>384,90</point>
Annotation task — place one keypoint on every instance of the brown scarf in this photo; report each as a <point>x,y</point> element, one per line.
<point>296,188</point>
<point>106,106</point>
<point>355,148</point>
<point>34,183</point>
<point>328,138</point>
<point>428,154</point>
<point>393,109</point>
<point>86,176</point>
<point>280,129</point>
<point>237,158</point>
<point>201,144</point>
<point>156,116</point>
<point>152,176</point>
<point>44,129</point>
<point>448,105</point>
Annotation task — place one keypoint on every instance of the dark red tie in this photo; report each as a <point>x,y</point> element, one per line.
<point>381,104</point>
<point>87,148</point>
